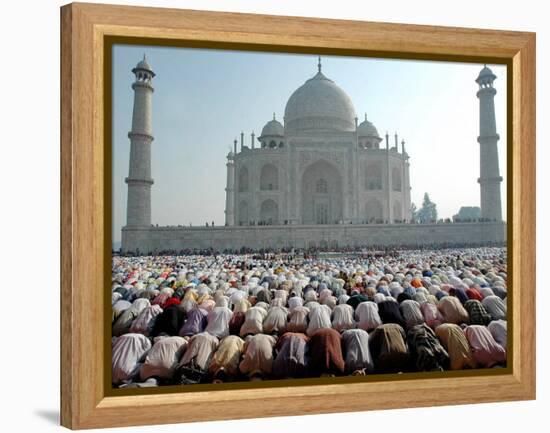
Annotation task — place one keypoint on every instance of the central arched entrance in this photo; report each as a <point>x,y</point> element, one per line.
<point>322,194</point>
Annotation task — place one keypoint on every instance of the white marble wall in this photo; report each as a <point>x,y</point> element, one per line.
<point>302,236</point>
<point>335,157</point>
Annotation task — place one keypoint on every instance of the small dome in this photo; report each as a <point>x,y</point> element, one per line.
<point>485,75</point>
<point>144,64</point>
<point>273,127</point>
<point>319,104</point>
<point>367,129</point>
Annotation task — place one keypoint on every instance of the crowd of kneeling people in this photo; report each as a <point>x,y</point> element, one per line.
<point>195,319</point>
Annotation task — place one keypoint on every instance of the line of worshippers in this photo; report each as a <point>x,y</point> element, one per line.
<point>188,320</point>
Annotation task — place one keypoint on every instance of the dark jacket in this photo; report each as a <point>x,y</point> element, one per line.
<point>389,313</point>
<point>426,351</point>
<point>169,321</point>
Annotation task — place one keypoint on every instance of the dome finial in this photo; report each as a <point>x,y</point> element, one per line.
<point>319,64</point>
<point>365,117</point>
<point>274,116</point>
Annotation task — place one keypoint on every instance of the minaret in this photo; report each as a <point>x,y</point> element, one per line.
<point>388,181</point>
<point>138,213</point>
<point>489,178</point>
<point>230,191</point>
<point>404,207</point>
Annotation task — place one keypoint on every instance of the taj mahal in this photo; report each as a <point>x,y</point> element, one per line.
<point>321,167</point>
<point>319,178</point>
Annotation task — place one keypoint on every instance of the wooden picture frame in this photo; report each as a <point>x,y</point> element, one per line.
<point>85,398</point>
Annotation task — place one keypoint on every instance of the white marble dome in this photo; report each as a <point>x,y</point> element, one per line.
<point>486,76</point>
<point>144,64</point>
<point>319,104</point>
<point>273,128</point>
<point>486,72</point>
<point>367,129</point>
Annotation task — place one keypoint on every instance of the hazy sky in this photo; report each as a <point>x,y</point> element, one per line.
<point>203,99</point>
